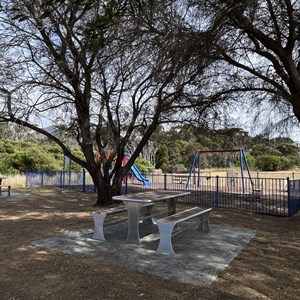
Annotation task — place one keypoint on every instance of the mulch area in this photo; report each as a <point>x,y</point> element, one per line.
<point>267,268</point>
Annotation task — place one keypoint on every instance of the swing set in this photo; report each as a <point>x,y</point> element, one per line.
<point>242,159</point>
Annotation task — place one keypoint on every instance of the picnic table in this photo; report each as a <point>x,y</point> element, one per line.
<point>135,201</point>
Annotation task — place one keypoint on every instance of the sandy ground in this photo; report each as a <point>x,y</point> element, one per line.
<point>267,268</point>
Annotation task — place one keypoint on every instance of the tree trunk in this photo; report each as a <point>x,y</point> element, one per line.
<point>107,188</point>
<point>117,185</point>
<point>104,193</point>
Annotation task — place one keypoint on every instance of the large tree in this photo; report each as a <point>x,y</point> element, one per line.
<point>108,71</point>
<point>258,55</point>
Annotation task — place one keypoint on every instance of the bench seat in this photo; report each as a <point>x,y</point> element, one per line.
<point>167,224</point>
<point>5,189</point>
<point>100,218</point>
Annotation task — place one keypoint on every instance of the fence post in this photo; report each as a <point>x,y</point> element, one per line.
<point>289,197</point>
<point>26,178</point>
<point>165,181</point>
<point>83,180</point>
<point>61,179</point>
<point>69,177</point>
<point>217,191</point>
<point>42,179</point>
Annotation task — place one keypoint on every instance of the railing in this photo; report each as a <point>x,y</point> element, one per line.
<point>294,196</point>
<point>63,179</point>
<point>270,196</point>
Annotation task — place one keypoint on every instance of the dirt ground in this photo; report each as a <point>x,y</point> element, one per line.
<point>268,268</point>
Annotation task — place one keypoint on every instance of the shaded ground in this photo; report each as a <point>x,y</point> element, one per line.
<point>267,268</point>
<point>200,256</point>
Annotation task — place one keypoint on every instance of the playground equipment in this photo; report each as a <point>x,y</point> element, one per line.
<point>242,158</point>
<point>136,172</point>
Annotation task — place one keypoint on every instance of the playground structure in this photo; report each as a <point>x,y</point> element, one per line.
<point>138,175</point>
<point>242,159</point>
<point>135,171</point>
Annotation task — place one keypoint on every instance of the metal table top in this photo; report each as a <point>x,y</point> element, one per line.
<point>150,196</point>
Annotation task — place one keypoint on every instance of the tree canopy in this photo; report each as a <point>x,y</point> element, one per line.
<point>176,149</point>
<point>108,72</point>
<point>258,56</point>
<point>111,72</point>
<point>173,151</point>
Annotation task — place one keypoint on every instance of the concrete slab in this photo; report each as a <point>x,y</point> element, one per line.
<point>198,259</point>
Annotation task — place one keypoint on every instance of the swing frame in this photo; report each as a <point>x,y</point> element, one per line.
<point>242,158</point>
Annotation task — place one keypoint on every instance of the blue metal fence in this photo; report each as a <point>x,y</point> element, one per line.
<point>270,196</point>
<point>62,179</point>
<point>294,196</point>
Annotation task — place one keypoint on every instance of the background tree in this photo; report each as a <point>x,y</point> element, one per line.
<point>174,154</point>
<point>259,57</point>
<point>107,71</point>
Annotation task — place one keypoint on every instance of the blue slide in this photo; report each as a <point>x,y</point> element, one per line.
<point>139,176</point>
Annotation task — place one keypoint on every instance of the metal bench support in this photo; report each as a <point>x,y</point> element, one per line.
<point>100,218</point>
<point>166,226</point>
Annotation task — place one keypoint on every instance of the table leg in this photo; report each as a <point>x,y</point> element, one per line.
<point>133,210</point>
<point>172,202</point>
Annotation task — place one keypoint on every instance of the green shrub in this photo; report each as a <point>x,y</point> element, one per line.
<point>174,168</point>
<point>162,156</point>
<point>144,165</point>
<point>19,156</point>
<point>251,161</point>
<point>269,163</point>
<point>288,149</point>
